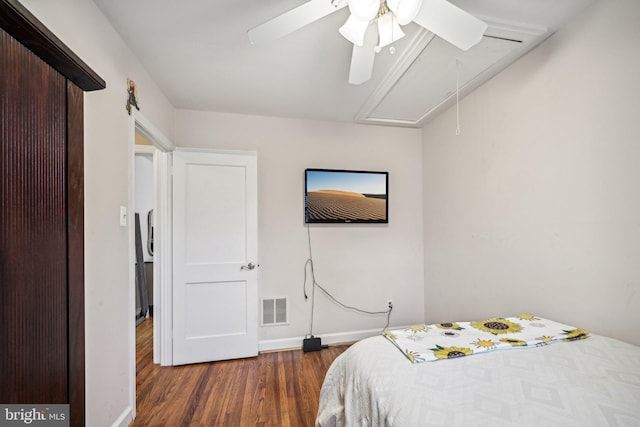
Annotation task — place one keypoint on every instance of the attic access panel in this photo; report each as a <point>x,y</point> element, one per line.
<point>427,84</point>
<point>431,79</point>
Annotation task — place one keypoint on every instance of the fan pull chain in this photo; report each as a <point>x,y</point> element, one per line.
<point>392,49</point>
<point>457,97</point>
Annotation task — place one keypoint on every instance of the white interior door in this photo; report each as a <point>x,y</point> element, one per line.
<point>215,299</point>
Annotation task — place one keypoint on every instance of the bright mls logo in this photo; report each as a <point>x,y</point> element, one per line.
<point>34,415</point>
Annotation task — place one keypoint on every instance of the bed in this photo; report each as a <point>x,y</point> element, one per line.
<point>423,376</point>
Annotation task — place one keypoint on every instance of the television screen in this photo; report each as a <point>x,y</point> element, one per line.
<point>343,196</point>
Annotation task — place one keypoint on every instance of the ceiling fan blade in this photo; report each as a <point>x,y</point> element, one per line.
<point>362,58</point>
<point>450,23</point>
<point>293,20</point>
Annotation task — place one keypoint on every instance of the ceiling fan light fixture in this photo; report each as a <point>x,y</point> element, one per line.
<point>388,30</point>
<point>440,17</point>
<point>405,10</point>
<point>364,10</point>
<point>354,30</point>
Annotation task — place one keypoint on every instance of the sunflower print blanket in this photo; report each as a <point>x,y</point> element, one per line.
<point>427,343</point>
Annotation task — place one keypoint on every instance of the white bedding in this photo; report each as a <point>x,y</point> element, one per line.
<point>591,382</point>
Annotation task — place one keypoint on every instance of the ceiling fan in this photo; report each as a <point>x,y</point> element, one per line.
<point>438,16</point>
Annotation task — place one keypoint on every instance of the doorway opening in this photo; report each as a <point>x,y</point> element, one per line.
<point>149,230</point>
<point>144,227</point>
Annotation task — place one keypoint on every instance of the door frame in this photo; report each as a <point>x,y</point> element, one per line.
<point>162,266</point>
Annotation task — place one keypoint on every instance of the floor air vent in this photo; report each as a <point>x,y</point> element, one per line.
<point>275,311</point>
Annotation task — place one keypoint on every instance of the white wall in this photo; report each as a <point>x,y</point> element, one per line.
<point>536,206</point>
<point>362,265</point>
<point>81,26</point>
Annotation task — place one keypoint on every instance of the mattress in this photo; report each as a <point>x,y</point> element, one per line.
<point>588,382</point>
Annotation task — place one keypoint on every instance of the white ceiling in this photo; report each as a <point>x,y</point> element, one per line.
<point>199,54</point>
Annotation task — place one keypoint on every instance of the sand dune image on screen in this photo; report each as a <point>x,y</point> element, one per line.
<point>334,205</point>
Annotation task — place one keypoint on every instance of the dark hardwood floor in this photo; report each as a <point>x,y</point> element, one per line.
<point>274,389</point>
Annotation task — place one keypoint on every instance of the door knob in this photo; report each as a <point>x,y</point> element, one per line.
<point>249,266</point>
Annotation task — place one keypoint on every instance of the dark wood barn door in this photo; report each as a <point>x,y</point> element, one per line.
<point>34,230</point>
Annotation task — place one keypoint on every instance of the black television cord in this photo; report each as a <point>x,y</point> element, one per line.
<point>308,266</point>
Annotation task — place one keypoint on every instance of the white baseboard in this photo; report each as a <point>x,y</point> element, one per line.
<point>124,419</point>
<point>327,339</point>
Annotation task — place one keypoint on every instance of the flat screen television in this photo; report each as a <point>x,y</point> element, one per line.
<point>346,196</point>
